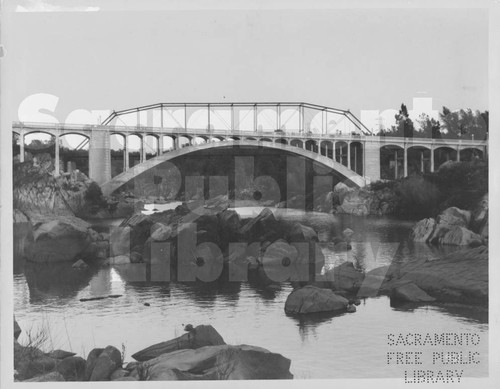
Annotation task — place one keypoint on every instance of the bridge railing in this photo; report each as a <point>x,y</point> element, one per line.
<point>303,135</point>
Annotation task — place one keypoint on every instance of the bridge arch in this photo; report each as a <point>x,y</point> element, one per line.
<point>471,153</point>
<point>444,154</point>
<point>391,162</point>
<point>419,159</point>
<point>351,177</point>
<point>297,143</point>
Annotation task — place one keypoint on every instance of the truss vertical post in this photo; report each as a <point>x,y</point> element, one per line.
<point>208,117</point>
<point>232,118</point>
<point>255,118</point>
<point>278,116</point>
<point>301,118</point>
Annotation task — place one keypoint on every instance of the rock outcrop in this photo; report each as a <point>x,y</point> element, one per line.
<point>460,277</point>
<point>364,201</point>
<point>449,228</point>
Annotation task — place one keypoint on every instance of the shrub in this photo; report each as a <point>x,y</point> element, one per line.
<point>94,194</point>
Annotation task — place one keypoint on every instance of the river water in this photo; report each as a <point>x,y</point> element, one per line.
<point>354,345</point>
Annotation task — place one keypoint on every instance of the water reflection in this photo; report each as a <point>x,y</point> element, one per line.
<point>56,282</point>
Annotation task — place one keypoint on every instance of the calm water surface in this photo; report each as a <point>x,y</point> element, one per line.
<point>341,346</point>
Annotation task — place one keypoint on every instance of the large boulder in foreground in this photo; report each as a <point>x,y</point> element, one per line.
<point>59,240</point>
<point>311,299</point>
<point>101,368</point>
<point>222,362</point>
<point>200,336</point>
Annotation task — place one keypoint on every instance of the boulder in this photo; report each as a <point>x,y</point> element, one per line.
<point>311,299</point>
<point>161,232</point>
<point>479,218</point>
<point>422,231</point>
<point>202,335</point>
<point>97,250</point>
<point>339,192</point>
<point>409,292</point>
<point>58,240</point>
<point>19,217</point>
<point>454,216</point>
<point>371,286</point>
<point>49,377</point>
<point>344,277</point>
<point>91,360</point>
<point>301,233</point>
<point>30,366</point>
<point>221,362</point>
<point>347,234</point>
<point>459,236</point>
<point>461,276</point>
<point>17,329</point>
<point>262,227</point>
<point>105,364</point>
<point>60,354</point>
<point>119,260</point>
<point>80,264</point>
<point>229,224</point>
<point>135,257</point>
<point>72,368</point>
<point>117,374</point>
<point>119,241</point>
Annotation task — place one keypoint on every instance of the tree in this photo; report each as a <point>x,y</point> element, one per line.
<point>464,123</point>
<point>428,127</point>
<point>403,122</point>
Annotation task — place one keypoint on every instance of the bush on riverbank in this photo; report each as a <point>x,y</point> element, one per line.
<point>454,184</point>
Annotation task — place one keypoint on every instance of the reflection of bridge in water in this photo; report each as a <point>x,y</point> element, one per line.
<point>331,137</point>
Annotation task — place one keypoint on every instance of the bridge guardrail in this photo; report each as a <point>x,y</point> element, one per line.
<point>262,134</point>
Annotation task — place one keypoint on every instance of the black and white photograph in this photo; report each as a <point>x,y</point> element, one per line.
<point>271,192</point>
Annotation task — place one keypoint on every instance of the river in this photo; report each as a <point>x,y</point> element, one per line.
<point>333,346</point>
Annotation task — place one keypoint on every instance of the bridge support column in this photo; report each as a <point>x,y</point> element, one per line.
<point>21,146</point>
<point>57,158</point>
<point>143,148</point>
<point>458,154</point>
<point>99,155</point>
<point>348,155</point>
<point>371,158</point>
<point>432,159</point>
<point>405,162</point>
<point>126,162</point>
<point>333,150</point>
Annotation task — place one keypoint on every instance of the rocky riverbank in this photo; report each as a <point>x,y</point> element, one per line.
<point>455,226</point>
<point>200,354</point>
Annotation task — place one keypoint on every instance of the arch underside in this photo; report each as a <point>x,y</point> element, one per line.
<point>351,177</point>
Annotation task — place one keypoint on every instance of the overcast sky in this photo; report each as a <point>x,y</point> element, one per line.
<point>357,59</point>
